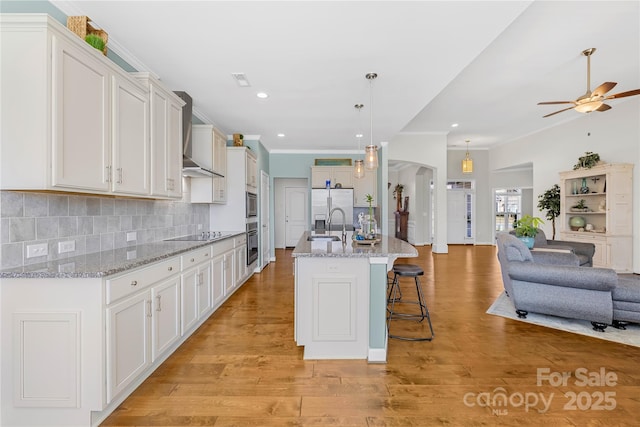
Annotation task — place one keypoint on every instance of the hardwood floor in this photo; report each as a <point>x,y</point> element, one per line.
<point>242,367</point>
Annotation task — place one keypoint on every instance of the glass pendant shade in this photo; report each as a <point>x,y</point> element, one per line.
<point>358,169</point>
<point>371,157</point>
<point>467,165</point>
<point>467,162</point>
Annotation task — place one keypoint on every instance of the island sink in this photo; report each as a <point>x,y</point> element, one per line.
<point>322,237</point>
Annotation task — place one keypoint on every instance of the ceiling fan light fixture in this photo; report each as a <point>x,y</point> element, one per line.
<point>588,106</point>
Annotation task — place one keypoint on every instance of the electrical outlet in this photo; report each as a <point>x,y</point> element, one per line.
<point>68,246</point>
<point>132,236</point>
<point>40,249</point>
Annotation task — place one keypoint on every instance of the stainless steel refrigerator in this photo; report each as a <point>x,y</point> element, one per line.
<point>323,201</point>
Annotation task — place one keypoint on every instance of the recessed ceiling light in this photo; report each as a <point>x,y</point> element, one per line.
<point>455,125</point>
<point>281,135</point>
<point>262,95</point>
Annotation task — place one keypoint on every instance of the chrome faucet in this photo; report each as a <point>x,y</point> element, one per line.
<point>344,226</point>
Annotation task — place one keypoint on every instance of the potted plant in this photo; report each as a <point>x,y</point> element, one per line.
<point>550,201</point>
<point>579,207</point>
<point>587,161</point>
<point>370,226</point>
<point>526,229</point>
<point>397,194</point>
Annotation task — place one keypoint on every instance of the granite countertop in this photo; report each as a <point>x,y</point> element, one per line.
<point>387,246</point>
<point>106,263</point>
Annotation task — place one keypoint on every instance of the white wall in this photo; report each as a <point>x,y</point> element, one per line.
<point>429,150</point>
<point>614,134</point>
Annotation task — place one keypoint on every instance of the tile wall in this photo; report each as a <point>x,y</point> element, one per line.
<point>95,223</point>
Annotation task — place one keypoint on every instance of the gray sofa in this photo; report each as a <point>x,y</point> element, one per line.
<point>584,251</point>
<point>554,283</point>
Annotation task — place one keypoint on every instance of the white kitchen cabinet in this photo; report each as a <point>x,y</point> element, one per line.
<point>165,330</point>
<point>240,259</point>
<point>606,190</point>
<point>128,341</point>
<point>337,174</point>
<point>195,287</point>
<point>210,149</point>
<point>363,186</point>
<point>252,172</point>
<point>130,137</point>
<point>217,280</point>
<point>81,122</point>
<point>165,134</point>
<point>229,266</point>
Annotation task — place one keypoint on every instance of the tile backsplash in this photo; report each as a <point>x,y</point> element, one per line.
<point>93,223</point>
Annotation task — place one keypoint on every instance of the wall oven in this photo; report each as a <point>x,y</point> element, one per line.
<point>252,242</point>
<point>252,205</point>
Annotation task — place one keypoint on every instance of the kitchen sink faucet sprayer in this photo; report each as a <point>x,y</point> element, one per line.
<point>344,229</point>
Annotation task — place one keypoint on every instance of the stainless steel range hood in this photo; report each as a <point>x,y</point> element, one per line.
<point>190,167</point>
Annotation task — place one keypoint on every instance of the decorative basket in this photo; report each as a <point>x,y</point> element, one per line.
<point>81,25</point>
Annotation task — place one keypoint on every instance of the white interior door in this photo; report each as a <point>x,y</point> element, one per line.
<point>296,214</point>
<point>265,235</point>
<point>456,217</point>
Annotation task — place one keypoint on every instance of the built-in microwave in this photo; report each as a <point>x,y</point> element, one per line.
<point>252,205</point>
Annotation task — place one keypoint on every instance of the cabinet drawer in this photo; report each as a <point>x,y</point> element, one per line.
<point>239,240</point>
<point>222,246</point>
<point>195,257</point>
<point>139,279</point>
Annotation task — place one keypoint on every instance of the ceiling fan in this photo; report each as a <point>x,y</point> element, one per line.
<point>591,101</point>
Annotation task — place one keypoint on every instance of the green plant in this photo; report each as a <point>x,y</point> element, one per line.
<point>579,205</point>
<point>527,226</point>
<point>550,201</point>
<point>95,41</point>
<point>587,161</point>
<point>398,190</point>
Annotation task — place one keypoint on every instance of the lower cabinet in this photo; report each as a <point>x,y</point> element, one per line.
<point>85,344</point>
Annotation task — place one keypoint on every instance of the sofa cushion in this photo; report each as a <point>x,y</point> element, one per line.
<point>627,289</point>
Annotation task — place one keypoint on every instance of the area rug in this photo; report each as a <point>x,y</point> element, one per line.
<point>504,307</point>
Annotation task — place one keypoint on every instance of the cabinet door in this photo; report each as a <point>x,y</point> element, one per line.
<point>159,108</point>
<point>363,186</point>
<point>252,172</point>
<point>189,299</point>
<point>319,176</point>
<point>174,151</point>
<point>219,189</point>
<point>130,172</point>
<point>165,329</point>
<point>204,289</point>
<point>241,263</point>
<point>217,279</point>
<point>80,114</point>
<point>229,280</point>
<point>128,342</point>
<point>219,153</point>
<point>342,175</point>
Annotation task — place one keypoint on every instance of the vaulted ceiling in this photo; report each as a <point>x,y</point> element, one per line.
<point>482,64</point>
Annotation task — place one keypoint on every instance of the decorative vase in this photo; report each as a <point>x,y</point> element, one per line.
<point>576,223</point>
<point>527,241</point>
<point>575,187</point>
<point>369,228</point>
<point>584,189</point>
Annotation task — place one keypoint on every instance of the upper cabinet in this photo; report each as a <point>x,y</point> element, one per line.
<point>251,172</point>
<point>210,148</point>
<point>363,186</point>
<point>342,175</point>
<point>165,133</point>
<point>70,116</point>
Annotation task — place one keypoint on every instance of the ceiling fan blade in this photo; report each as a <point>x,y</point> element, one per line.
<point>560,111</point>
<point>623,94</point>
<point>603,88</point>
<point>603,107</point>
<point>556,102</point>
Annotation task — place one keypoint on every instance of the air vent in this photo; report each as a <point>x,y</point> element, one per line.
<point>241,79</point>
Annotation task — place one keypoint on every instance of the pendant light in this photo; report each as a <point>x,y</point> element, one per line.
<point>467,162</point>
<point>371,150</point>
<point>358,169</point>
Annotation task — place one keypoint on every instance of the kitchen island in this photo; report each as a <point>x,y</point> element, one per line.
<point>340,295</point>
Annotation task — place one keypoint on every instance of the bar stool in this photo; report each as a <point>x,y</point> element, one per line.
<point>395,296</point>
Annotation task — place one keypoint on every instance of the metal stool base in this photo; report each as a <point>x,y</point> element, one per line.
<point>395,295</point>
